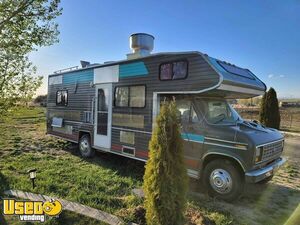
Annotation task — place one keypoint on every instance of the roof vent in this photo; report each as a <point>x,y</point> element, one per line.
<point>141,45</point>
<point>84,64</point>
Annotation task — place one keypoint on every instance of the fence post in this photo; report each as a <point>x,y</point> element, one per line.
<point>291,122</point>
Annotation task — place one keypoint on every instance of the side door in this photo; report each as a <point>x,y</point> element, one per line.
<point>193,134</point>
<point>103,116</point>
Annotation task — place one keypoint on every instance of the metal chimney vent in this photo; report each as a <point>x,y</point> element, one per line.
<point>141,45</point>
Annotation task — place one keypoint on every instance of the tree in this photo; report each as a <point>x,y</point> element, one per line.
<point>270,114</point>
<point>262,112</point>
<point>24,26</point>
<point>165,179</point>
<point>40,99</point>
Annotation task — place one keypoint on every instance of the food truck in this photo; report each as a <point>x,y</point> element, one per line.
<point>112,107</point>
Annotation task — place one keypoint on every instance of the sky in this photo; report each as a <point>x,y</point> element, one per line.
<point>263,36</point>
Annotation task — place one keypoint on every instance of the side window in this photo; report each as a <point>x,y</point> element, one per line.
<point>194,116</point>
<point>179,70</point>
<point>137,96</point>
<point>166,71</point>
<point>121,96</point>
<point>184,110</point>
<point>102,100</point>
<point>62,98</point>
<point>130,96</point>
<point>173,70</point>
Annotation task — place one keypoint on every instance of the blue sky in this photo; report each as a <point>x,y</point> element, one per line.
<point>263,36</point>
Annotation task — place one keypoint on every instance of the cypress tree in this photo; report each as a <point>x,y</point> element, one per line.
<point>272,118</point>
<point>165,179</point>
<point>262,112</point>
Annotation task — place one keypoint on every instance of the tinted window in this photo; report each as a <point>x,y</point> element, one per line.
<point>179,70</point>
<point>166,71</point>
<point>62,98</point>
<point>173,71</point>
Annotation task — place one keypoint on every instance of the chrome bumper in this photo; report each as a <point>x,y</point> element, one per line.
<point>265,172</point>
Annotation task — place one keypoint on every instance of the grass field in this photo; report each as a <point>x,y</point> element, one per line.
<point>104,182</point>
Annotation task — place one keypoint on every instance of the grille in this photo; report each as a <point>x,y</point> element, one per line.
<point>271,150</point>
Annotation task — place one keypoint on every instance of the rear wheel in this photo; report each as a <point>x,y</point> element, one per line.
<point>85,148</point>
<point>223,180</point>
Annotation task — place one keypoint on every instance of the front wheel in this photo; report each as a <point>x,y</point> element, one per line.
<point>85,148</point>
<point>223,180</point>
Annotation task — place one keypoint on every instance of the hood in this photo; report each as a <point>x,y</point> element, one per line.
<point>258,133</point>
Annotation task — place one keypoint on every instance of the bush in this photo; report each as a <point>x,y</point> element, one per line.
<point>165,179</point>
<point>269,112</point>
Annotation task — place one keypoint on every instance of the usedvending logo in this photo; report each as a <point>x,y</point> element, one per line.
<point>31,210</point>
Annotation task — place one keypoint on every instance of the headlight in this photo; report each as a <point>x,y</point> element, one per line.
<point>258,154</point>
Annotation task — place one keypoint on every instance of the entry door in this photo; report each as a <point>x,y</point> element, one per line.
<point>103,116</point>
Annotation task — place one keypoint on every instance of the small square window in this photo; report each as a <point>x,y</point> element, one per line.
<point>137,96</point>
<point>173,71</point>
<point>62,98</point>
<point>121,97</point>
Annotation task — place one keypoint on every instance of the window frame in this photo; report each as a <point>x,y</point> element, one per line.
<point>129,88</point>
<point>172,62</point>
<point>60,104</point>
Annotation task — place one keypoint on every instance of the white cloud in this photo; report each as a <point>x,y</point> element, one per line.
<point>271,76</point>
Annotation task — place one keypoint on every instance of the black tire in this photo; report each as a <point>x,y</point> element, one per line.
<point>223,180</point>
<point>265,181</point>
<point>85,147</point>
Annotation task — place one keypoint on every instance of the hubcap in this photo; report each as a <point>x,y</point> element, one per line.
<point>84,146</point>
<point>221,181</point>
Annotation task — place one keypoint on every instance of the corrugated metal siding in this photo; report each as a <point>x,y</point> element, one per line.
<point>80,96</point>
<point>80,93</point>
<point>200,76</point>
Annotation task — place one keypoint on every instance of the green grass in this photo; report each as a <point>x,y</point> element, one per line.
<point>104,182</point>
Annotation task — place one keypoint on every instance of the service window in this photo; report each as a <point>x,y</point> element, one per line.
<point>130,96</point>
<point>62,98</point>
<point>137,96</point>
<point>121,96</point>
<point>173,71</point>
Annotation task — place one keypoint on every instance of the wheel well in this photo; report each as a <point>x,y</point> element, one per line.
<point>81,133</point>
<point>234,162</point>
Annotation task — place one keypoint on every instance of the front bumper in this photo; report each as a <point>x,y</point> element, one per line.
<point>265,172</point>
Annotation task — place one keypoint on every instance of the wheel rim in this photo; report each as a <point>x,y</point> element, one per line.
<point>84,146</point>
<point>221,181</point>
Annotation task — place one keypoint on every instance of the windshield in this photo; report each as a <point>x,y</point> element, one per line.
<point>217,111</point>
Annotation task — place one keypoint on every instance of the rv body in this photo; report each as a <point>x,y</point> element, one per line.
<point>112,107</point>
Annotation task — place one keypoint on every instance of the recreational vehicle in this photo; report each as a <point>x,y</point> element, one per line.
<point>111,107</point>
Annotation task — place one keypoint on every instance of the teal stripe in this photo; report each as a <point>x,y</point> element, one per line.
<point>133,69</point>
<point>78,77</point>
<point>192,137</point>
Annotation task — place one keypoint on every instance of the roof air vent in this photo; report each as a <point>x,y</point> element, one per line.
<point>141,45</point>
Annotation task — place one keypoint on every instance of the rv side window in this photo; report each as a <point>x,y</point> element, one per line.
<point>62,98</point>
<point>173,71</point>
<point>121,96</point>
<point>137,96</point>
<point>130,96</point>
